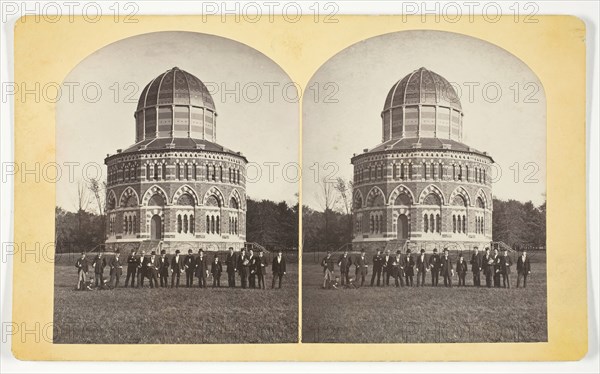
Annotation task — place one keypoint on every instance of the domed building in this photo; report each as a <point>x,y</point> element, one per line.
<point>176,184</point>
<point>422,186</point>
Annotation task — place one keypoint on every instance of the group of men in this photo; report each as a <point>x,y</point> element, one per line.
<point>250,267</point>
<point>402,268</point>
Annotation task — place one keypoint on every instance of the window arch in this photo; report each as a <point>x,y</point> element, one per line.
<point>424,170</point>
<point>148,176</point>
<point>425,222</point>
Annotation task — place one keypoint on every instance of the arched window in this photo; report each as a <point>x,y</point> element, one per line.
<point>424,170</point>
<point>238,176</point>
<point>441,172</point>
<point>185,224</point>
<point>187,171</point>
<point>454,172</point>
<point>155,171</point>
<point>135,224</point>
<point>207,224</point>
<point>483,178</point>
<point>372,228</point>
<point>410,171</point>
<point>221,173</point>
<point>164,171</point>
<point>192,224</point>
<point>453,223</point>
<point>212,224</point>
<point>460,171</point>
<point>467,173</point>
<point>425,223</point>
<point>235,225</point>
<point>207,172</point>
<point>438,223</point>
<point>376,224</point>
<point>218,226</point>
<point>394,171</point>
<point>432,170</point>
<point>178,170</point>
<point>194,172</point>
<point>402,171</point>
<point>148,176</point>
<point>432,222</point>
<point>179,223</point>
<point>214,173</point>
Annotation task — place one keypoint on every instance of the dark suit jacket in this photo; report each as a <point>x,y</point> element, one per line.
<point>216,269</point>
<point>461,268</point>
<point>177,264</point>
<point>422,264</point>
<point>243,269</point>
<point>396,266</point>
<point>279,266</point>
<point>116,267</point>
<point>231,262</point>
<point>387,264</point>
<point>434,262</point>
<point>377,262</point>
<point>189,263</point>
<point>201,266</point>
<point>99,265</point>
<point>487,264</point>
<point>152,265</point>
<point>361,265</point>
<point>497,264</point>
<point>163,265</point>
<point>445,266</point>
<point>82,265</point>
<point>344,263</point>
<point>326,263</point>
<point>505,264</point>
<point>523,267</point>
<point>409,265</point>
<point>476,263</point>
<point>131,262</point>
<point>252,263</point>
<point>261,265</point>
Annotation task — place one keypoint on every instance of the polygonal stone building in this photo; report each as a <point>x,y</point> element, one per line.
<point>422,184</point>
<point>176,184</point>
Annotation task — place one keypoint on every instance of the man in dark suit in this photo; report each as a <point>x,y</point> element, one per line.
<point>505,265</point>
<point>152,270</point>
<point>116,270</point>
<point>252,262</point>
<point>397,269</point>
<point>216,269</point>
<point>141,269</point>
<point>231,262</point>
<point>189,264</point>
<point>476,266</point>
<point>387,267</point>
<point>202,269</point>
<point>523,269</point>
<point>344,264</point>
<point>328,265</point>
<point>261,269</point>
<point>163,269</point>
<point>176,269</point>
<point>409,268</point>
<point>361,267</point>
<point>488,267</point>
<point>377,267</point>
<point>497,268</point>
<point>131,268</point>
<point>82,266</point>
<point>461,270</point>
<point>242,267</point>
<point>422,267</point>
<point>434,266</point>
<point>279,268</point>
<point>99,265</point>
<point>446,268</point>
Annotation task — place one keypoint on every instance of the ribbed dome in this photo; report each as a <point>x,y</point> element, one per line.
<point>175,104</point>
<point>423,104</point>
<point>178,87</point>
<point>422,86</point>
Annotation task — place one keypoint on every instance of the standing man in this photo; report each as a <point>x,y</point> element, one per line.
<point>344,264</point>
<point>488,270</point>
<point>461,269</point>
<point>377,266</point>
<point>279,268</point>
<point>116,270</point>
<point>505,264</point>
<point>176,268</point>
<point>202,269</point>
<point>397,269</point>
<point>328,266</point>
<point>189,264</point>
<point>409,268</point>
<point>152,270</point>
<point>497,268</point>
<point>434,266</point>
<point>216,269</point>
<point>163,268</point>
<point>242,267</point>
<point>476,265</point>
<point>252,260</point>
<point>141,269</point>
<point>261,269</point>
<point>361,267</point>
<point>99,265</point>
<point>231,262</point>
<point>131,268</point>
<point>523,269</point>
<point>422,267</point>
<point>387,266</point>
<point>82,270</point>
<point>446,269</point>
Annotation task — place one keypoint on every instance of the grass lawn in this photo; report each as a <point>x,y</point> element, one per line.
<point>423,315</point>
<point>174,316</point>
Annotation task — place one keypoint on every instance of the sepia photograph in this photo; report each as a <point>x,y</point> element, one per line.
<point>427,220</point>
<point>166,238</point>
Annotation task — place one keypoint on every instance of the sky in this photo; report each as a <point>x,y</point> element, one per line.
<point>503,103</point>
<point>255,115</point>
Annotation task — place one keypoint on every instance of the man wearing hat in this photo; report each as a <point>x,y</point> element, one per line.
<point>163,269</point>
<point>476,266</point>
<point>131,268</point>
<point>242,267</point>
<point>361,267</point>
<point>82,270</point>
<point>202,269</point>
<point>176,268</point>
<point>141,269</point>
<point>328,265</point>
<point>523,269</point>
<point>408,263</point>
<point>434,266</point>
<point>461,270</point>
<point>421,268</point>
<point>446,268</point>
<point>189,264</point>
<point>387,266</point>
<point>99,265</point>
<point>397,269</point>
<point>344,263</point>
<point>231,262</point>
<point>279,268</point>
<point>497,264</point>
<point>116,270</point>
<point>252,262</point>
<point>377,267</point>
<point>152,270</point>
<point>506,263</point>
<point>488,267</point>
<point>261,268</point>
